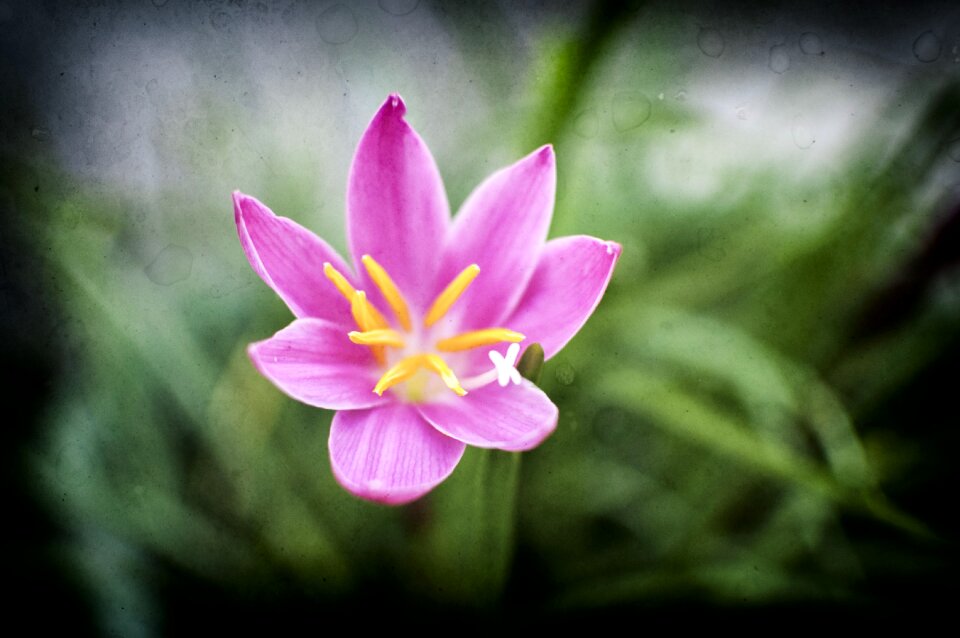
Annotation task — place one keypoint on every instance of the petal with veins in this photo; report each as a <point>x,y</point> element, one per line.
<point>390,454</point>
<point>517,417</point>
<point>314,361</point>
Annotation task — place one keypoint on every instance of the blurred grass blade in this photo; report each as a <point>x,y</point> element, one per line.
<point>243,412</point>
<point>671,407</point>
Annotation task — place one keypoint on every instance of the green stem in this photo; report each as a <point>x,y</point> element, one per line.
<point>468,545</point>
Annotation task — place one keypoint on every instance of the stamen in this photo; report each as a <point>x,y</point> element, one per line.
<point>450,294</point>
<point>438,365</point>
<point>485,337</point>
<point>367,317</point>
<point>339,281</point>
<point>403,370</point>
<point>377,338</point>
<point>389,289</point>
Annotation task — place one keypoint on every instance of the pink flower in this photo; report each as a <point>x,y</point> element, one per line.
<point>398,344</point>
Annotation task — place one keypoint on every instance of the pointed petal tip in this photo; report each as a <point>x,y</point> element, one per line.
<point>545,154</point>
<point>240,196</point>
<point>241,202</point>
<point>613,248</point>
<point>394,105</point>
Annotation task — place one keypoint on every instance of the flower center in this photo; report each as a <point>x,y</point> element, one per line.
<point>418,352</point>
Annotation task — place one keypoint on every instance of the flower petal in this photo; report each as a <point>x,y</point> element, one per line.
<point>314,361</point>
<point>570,279</point>
<point>289,258</point>
<point>501,227</point>
<point>397,210</point>
<point>390,454</point>
<point>515,417</point>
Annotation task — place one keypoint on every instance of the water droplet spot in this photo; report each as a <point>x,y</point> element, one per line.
<point>779,60</point>
<point>40,134</point>
<point>802,136</point>
<point>337,24</point>
<point>927,47</point>
<point>586,124</point>
<point>220,19</point>
<point>630,110</point>
<point>810,44</point>
<point>680,96</point>
<point>398,7</point>
<point>742,113</point>
<point>565,374</point>
<point>613,427</point>
<point>172,264</point>
<point>710,245</point>
<point>953,149</point>
<point>227,286</point>
<point>710,42</point>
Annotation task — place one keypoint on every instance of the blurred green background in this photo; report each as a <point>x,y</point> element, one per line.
<point>758,418</point>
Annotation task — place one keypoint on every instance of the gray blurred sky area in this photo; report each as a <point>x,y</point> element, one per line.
<point>89,78</point>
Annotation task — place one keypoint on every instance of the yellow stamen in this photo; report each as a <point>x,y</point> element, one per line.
<point>438,365</point>
<point>389,289</point>
<point>339,281</point>
<point>403,370</point>
<point>367,317</point>
<point>450,294</point>
<point>485,337</point>
<point>377,338</point>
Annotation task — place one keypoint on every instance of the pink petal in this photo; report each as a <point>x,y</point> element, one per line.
<point>501,227</point>
<point>515,417</point>
<point>570,279</point>
<point>390,454</point>
<point>397,210</point>
<point>314,361</point>
<point>289,258</point>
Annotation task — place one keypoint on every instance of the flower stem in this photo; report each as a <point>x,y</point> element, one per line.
<point>466,549</point>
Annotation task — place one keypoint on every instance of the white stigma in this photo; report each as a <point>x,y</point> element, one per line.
<point>506,366</point>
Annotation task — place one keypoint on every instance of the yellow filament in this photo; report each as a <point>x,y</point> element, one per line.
<point>339,281</point>
<point>366,316</point>
<point>450,294</point>
<point>403,370</point>
<point>382,337</point>
<point>438,365</point>
<point>486,337</point>
<point>389,289</point>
